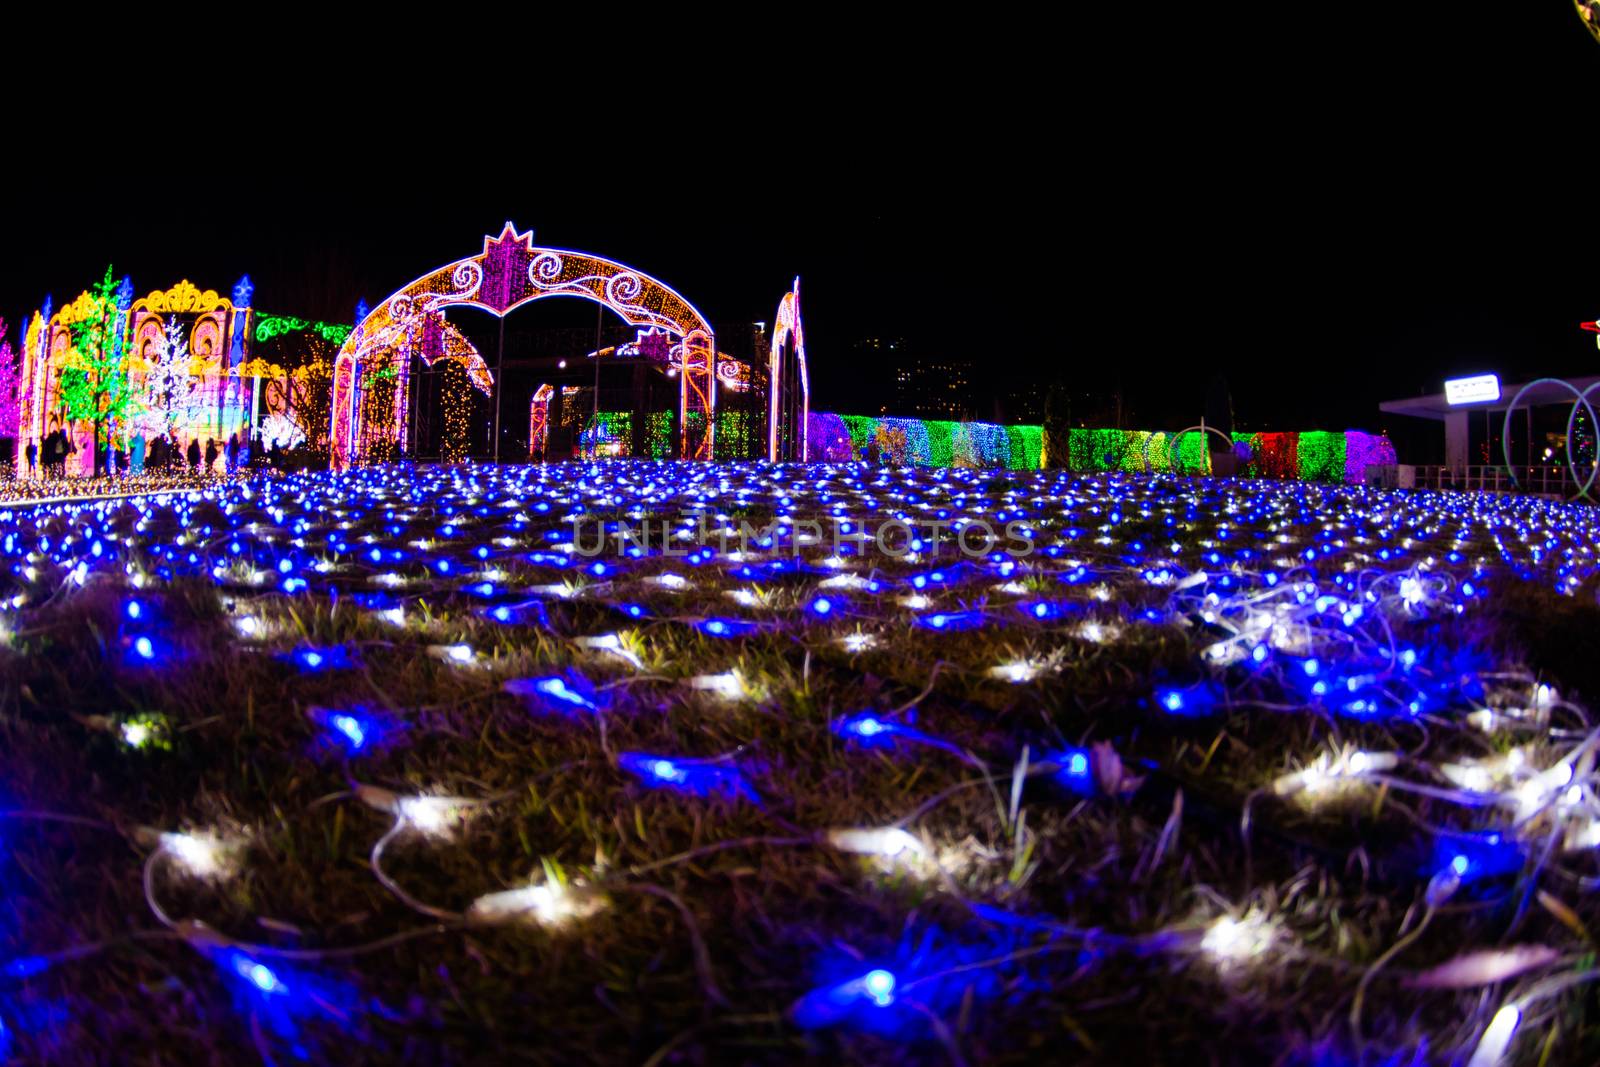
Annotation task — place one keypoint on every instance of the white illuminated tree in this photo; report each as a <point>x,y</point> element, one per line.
<point>168,382</point>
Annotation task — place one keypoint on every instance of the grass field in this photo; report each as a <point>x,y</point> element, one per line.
<point>405,766</point>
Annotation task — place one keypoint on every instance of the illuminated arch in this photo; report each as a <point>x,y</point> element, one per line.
<point>787,330</point>
<point>510,272</point>
<point>1176,442</point>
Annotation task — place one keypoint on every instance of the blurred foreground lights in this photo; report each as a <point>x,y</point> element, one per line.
<point>611,643</point>
<point>878,986</point>
<point>429,815</point>
<point>347,730</point>
<point>1320,776</point>
<point>553,689</point>
<point>1232,941</point>
<point>392,616</point>
<point>1017,671</point>
<point>259,975</point>
<point>1097,633</point>
<point>200,855</point>
<point>728,685</point>
<point>867,726</point>
<point>548,904</point>
<point>350,728</point>
<point>891,843</point>
<point>834,1004</point>
<point>698,777</point>
<point>141,732</point>
<point>857,642</point>
<point>432,816</point>
<point>456,655</point>
<point>1496,1039</point>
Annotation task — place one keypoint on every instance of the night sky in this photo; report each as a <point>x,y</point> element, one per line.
<point>1329,213</point>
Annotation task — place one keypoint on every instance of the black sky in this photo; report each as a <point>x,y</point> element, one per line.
<point>1333,205</point>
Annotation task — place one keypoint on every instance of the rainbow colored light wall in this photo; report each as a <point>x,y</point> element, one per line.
<point>1313,455</point>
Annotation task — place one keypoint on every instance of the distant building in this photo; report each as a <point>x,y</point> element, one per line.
<point>931,387</point>
<point>871,383</point>
<point>1021,404</point>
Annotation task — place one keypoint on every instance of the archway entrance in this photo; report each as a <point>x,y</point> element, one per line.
<point>510,272</point>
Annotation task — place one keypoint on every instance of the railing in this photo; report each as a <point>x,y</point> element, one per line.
<point>1547,481</point>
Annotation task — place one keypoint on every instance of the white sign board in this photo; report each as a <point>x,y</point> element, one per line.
<point>1473,390</point>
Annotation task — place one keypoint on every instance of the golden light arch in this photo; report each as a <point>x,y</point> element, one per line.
<point>510,272</point>
<point>787,330</point>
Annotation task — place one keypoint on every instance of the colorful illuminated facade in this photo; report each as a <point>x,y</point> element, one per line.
<point>181,349</point>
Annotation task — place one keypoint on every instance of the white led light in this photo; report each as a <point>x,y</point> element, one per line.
<point>1496,1039</point>
<point>857,642</point>
<point>1233,941</point>
<point>202,855</point>
<point>1017,671</point>
<point>431,815</point>
<point>889,842</point>
<point>548,904</point>
<point>728,685</point>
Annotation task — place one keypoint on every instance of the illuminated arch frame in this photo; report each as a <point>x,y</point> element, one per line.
<point>522,273</point>
<point>787,328</point>
<point>1580,397</point>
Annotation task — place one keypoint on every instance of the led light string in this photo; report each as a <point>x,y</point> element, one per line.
<point>1333,574</point>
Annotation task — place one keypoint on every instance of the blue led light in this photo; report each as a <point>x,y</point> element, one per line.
<point>554,690</point>
<point>879,985</point>
<point>350,728</point>
<point>259,975</point>
<point>664,769</point>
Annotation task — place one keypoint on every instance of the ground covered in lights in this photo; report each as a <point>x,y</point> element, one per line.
<point>407,766</point>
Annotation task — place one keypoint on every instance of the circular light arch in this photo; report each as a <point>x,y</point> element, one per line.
<point>1580,397</point>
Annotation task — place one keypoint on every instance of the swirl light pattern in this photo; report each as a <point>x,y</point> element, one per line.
<point>509,272</point>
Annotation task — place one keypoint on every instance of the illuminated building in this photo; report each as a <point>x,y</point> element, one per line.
<point>181,349</point>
